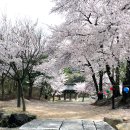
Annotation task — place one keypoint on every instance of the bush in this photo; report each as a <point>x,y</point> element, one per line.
<point>15,120</point>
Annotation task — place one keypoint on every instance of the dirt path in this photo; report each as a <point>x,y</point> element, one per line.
<point>67,110</point>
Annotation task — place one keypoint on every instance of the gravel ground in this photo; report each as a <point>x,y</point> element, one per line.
<point>66,110</point>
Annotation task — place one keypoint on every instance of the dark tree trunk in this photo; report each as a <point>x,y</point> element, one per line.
<point>83,97</point>
<point>127,79</point>
<point>18,95</point>
<point>64,95</point>
<point>46,96</point>
<point>30,86</point>
<point>114,83</point>
<point>22,95</point>
<point>95,83</point>
<point>100,80</point>
<point>23,101</point>
<point>124,98</point>
<point>117,89</point>
<point>54,96</point>
<point>19,80</point>
<point>2,87</point>
<point>126,83</point>
<point>30,90</point>
<point>59,97</point>
<point>41,90</point>
<point>10,88</point>
<point>111,78</point>
<point>76,96</point>
<point>113,100</point>
<point>100,95</point>
<point>70,96</point>
<point>93,76</point>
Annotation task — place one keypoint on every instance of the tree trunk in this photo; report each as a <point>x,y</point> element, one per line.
<point>41,90</point>
<point>93,76</point>
<point>100,95</point>
<point>23,101</point>
<point>65,95</point>
<point>10,87</point>
<point>22,95</point>
<point>46,96</point>
<point>30,86</point>
<point>30,90</point>
<point>100,80</point>
<point>126,83</point>
<point>59,97</point>
<point>54,96</point>
<point>114,83</point>
<point>113,100</point>
<point>18,95</point>
<point>111,78</point>
<point>70,95</point>
<point>83,97</point>
<point>2,87</point>
<point>95,83</point>
<point>76,96</point>
<point>117,89</point>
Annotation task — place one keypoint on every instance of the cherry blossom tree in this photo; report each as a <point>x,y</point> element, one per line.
<point>42,82</point>
<point>84,88</point>
<point>22,47</point>
<point>100,32</point>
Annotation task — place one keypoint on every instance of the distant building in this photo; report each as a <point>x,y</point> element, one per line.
<point>69,91</point>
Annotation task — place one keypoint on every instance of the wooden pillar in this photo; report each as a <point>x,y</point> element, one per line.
<point>59,97</point>
<point>83,97</point>
<point>65,95</point>
<point>53,97</point>
<point>76,96</point>
<point>70,95</point>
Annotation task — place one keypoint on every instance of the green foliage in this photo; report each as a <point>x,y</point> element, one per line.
<point>122,69</point>
<point>33,75</point>
<point>36,60</point>
<point>67,71</point>
<point>73,76</point>
<point>4,123</point>
<point>47,89</point>
<point>42,57</point>
<point>15,119</point>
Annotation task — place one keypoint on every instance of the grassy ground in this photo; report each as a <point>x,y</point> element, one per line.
<point>66,110</point>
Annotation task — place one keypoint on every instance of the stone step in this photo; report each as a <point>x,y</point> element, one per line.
<point>89,125</point>
<point>66,125</point>
<point>101,125</point>
<point>72,125</point>
<point>50,125</point>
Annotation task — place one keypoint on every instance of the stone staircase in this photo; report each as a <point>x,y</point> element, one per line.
<point>52,124</point>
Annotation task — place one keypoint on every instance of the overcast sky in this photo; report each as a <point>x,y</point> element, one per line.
<point>31,9</point>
